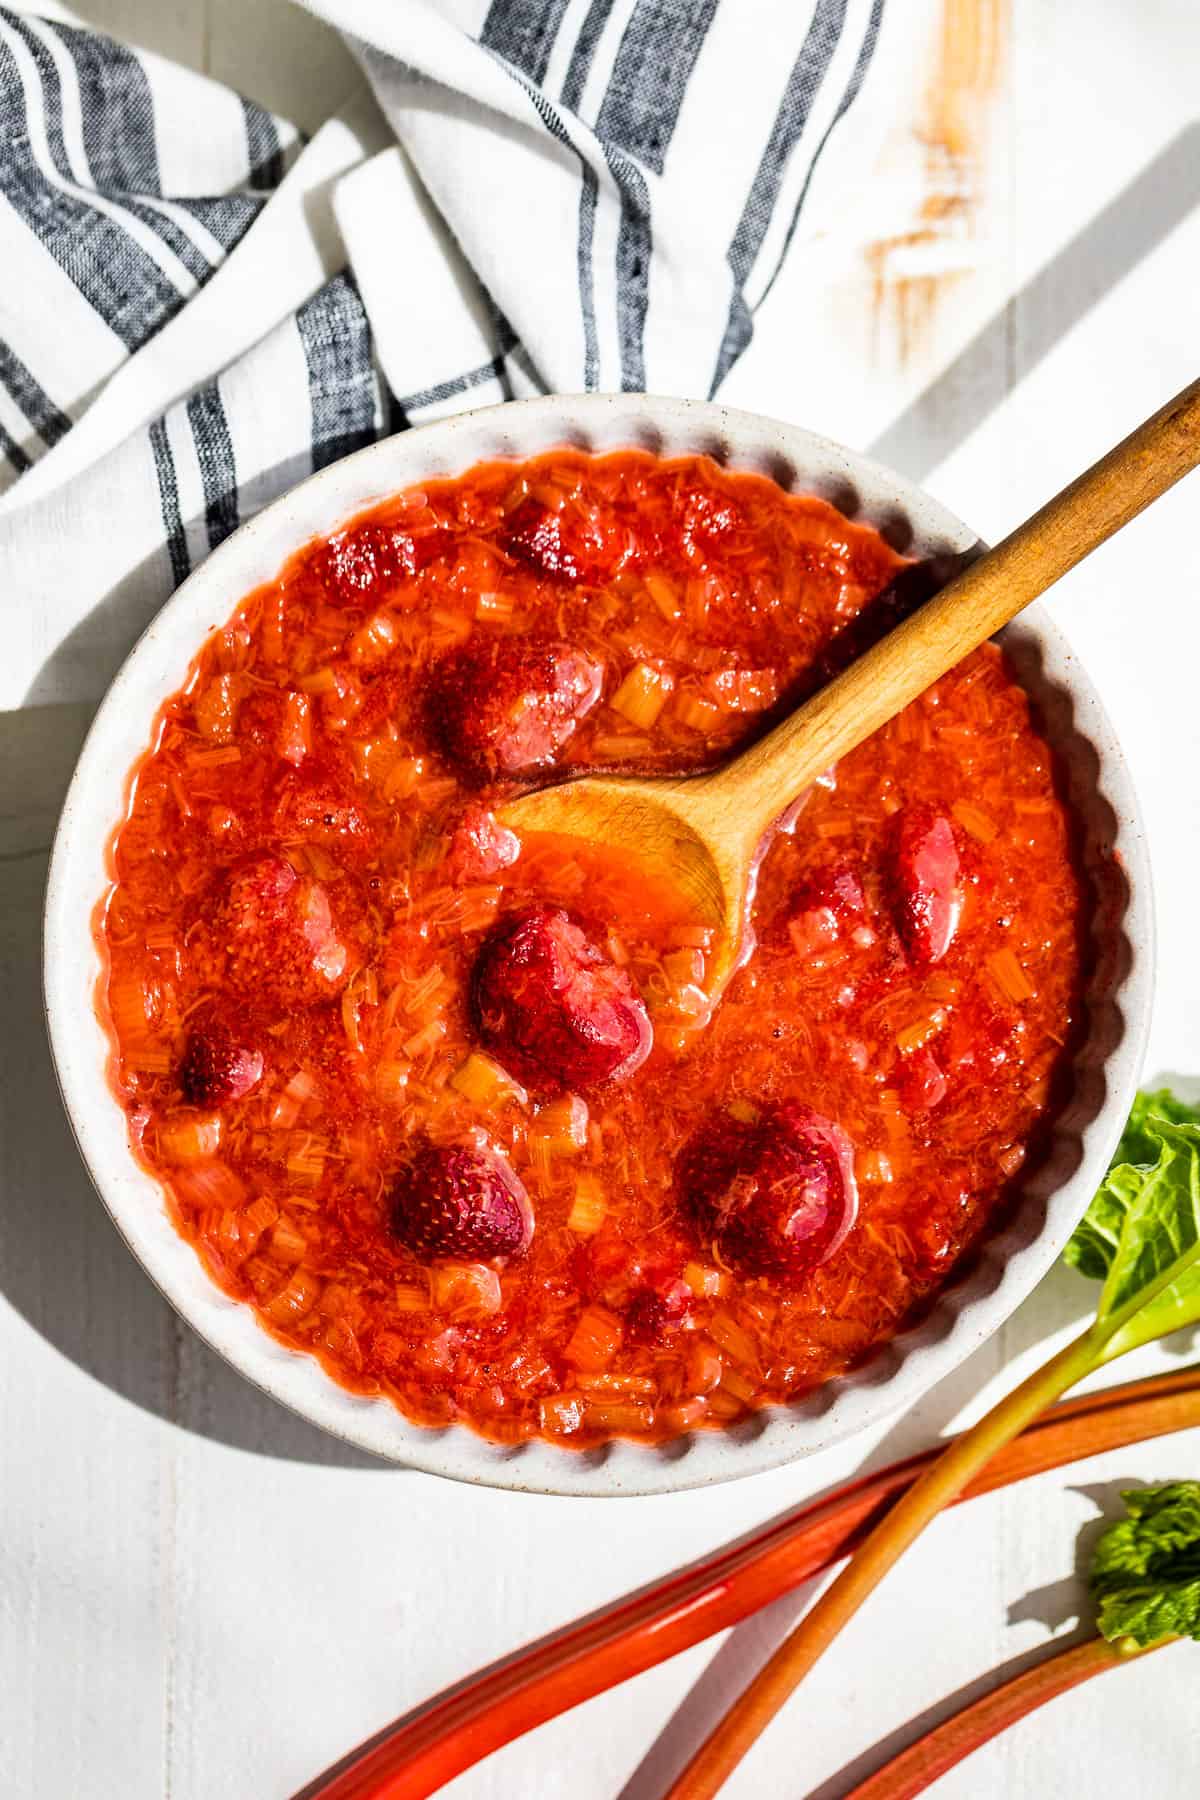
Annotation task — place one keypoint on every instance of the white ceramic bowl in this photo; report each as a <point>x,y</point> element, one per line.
<point>968,1311</point>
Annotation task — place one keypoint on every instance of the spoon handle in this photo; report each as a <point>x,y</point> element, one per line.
<point>765,779</point>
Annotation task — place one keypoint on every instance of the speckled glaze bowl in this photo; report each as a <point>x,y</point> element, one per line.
<point>1009,1264</point>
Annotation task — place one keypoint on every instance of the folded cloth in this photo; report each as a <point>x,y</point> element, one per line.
<point>198,309</point>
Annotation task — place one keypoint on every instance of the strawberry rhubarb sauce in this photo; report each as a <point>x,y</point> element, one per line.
<point>456,1113</point>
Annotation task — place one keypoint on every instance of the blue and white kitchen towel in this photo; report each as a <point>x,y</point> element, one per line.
<point>196,309</point>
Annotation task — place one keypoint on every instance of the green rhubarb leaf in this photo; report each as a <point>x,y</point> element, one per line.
<point>1145,1570</point>
<point>1141,1233</point>
<point>1139,1144</point>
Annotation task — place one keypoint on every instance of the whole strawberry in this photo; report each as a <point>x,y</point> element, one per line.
<point>566,545</point>
<point>556,1012</point>
<point>457,1201</point>
<point>506,706</point>
<point>218,1066</point>
<point>773,1196</point>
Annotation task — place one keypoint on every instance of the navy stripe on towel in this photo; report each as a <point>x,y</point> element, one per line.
<point>48,420</point>
<point>12,453</point>
<point>168,500</point>
<point>227,217</point>
<point>118,113</point>
<point>641,108</point>
<point>342,382</point>
<point>460,384</point>
<point>523,33</point>
<point>579,67</point>
<point>264,153</point>
<point>214,453</point>
<point>808,72</point>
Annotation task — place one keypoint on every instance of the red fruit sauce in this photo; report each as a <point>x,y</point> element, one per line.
<point>321,946</point>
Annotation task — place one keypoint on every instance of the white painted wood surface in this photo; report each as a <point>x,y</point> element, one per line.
<point>199,1596</point>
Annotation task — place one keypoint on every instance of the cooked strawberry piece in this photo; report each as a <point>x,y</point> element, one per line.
<point>314,809</point>
<point>537,536</point>
<point>508,706</point>
<point>218,1066</point>
<point>838,889</point>
<point>278,720</point>
<point>776,1196</point>
<point>480,846</point>
<point>374,556</point>
<point>557,1013</point>
<point>261,718</point>
<point>923,1083</point>
<point>461,1202</point>
<point>925,887</point>
<point>709,522</point>
<point>565,545</point>
<point>281,936</point>
<point>830,905</point>
<point>655,1314</point>
<point>610,1270</point>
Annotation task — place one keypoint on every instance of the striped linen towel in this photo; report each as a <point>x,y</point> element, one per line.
<point>198,309</point>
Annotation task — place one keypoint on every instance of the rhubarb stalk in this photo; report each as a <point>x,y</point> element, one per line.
<point>455,1730</point>
<point>924,1762</point>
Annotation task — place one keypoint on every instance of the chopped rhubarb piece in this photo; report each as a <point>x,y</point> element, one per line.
<point>554,1009</point>
<point>508,706</point>
<point>925,884</point>
<point>461,1202</point>
<point>218,1066</point>
<point>776,1196</point>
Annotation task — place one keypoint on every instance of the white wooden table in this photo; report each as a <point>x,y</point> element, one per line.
<point>202,1597</point>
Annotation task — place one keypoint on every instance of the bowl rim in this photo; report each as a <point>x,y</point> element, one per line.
<point>965,1314</point>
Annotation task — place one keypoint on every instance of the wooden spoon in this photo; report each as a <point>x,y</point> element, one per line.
<point>703,832</point>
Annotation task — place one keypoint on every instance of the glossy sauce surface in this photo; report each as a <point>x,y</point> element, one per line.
<point>310,873</point>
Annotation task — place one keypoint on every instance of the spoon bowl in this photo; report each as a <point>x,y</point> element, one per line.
<point>669,826</point>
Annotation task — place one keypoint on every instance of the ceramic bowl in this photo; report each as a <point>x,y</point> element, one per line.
<point>969,1310</point>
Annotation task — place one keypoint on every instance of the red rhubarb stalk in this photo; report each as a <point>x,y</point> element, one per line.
<point>454,1730</point>
<point>918,1767</point>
